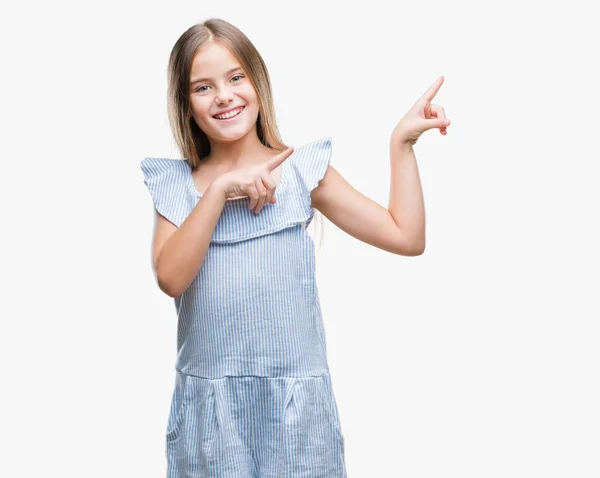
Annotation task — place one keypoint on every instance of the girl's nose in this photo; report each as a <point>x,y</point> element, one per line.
<point>224,96</point>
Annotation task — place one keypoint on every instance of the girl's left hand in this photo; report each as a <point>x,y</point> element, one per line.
<point>422,116</point>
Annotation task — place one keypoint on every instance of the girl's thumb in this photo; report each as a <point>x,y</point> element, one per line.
<point>434,123</point>
<point>441,123</point>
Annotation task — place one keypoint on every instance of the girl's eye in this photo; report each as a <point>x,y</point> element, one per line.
<point>200,90</point>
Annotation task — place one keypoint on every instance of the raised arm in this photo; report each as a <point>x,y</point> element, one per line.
<point>400,228</point>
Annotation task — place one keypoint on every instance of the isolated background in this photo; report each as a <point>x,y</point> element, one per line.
<point>477,359</point>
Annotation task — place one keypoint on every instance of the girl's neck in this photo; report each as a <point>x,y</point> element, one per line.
<point>245,151</point>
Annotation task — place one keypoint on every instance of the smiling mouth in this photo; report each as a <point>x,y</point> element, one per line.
<point>235,113</point>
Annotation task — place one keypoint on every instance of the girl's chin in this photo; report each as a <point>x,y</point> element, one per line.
<point>229,135</point>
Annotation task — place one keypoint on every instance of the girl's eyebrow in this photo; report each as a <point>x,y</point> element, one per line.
<point>198,80</point>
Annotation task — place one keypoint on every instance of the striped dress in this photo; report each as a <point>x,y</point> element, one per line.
<point>252,396</point>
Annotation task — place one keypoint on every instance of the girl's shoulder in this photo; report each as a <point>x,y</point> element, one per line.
<point>166,168</point>
<point>167,181</point>
<point>311,161</point>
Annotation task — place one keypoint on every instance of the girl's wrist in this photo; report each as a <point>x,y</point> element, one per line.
<point>216,189</point>
<point>401,144</point>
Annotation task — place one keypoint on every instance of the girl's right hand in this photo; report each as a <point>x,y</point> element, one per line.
<point>254,182</point>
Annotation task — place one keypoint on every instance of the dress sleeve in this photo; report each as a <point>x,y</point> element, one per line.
<point>166,182</point>
<point>312,161</point>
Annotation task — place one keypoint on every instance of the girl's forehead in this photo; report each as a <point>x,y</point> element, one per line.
<point>214,58</point>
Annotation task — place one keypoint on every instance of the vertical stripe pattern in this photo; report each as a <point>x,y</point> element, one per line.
<point>253,396</point>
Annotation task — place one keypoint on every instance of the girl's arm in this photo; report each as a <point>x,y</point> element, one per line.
<point>406,196</point>
<point>178,253</point>
<point>399,229</point>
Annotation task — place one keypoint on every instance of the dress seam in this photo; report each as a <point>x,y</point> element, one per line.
<point>253,376</point>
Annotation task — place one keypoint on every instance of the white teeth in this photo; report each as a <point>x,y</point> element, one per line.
<point>230,114</point>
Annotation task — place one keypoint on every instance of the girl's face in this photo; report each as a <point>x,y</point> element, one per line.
<point>218,84</point>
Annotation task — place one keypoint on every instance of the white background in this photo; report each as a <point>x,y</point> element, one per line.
<point>479,358</point>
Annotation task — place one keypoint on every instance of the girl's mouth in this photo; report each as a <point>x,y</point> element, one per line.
<point>235,114</point>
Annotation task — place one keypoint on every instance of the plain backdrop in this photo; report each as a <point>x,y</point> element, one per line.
<point>477,359</point>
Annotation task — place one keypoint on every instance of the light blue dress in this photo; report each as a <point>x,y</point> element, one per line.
<point>253,396</point>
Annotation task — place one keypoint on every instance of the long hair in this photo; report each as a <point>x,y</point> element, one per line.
<point>191,141</point>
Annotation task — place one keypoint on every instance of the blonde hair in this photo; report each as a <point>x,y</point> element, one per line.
<point>189,138</point>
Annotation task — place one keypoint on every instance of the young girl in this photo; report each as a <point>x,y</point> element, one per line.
<point>252,395</point>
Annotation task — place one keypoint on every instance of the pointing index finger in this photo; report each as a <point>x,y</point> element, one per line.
<point>433,89</point>
<point>280,158</point>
